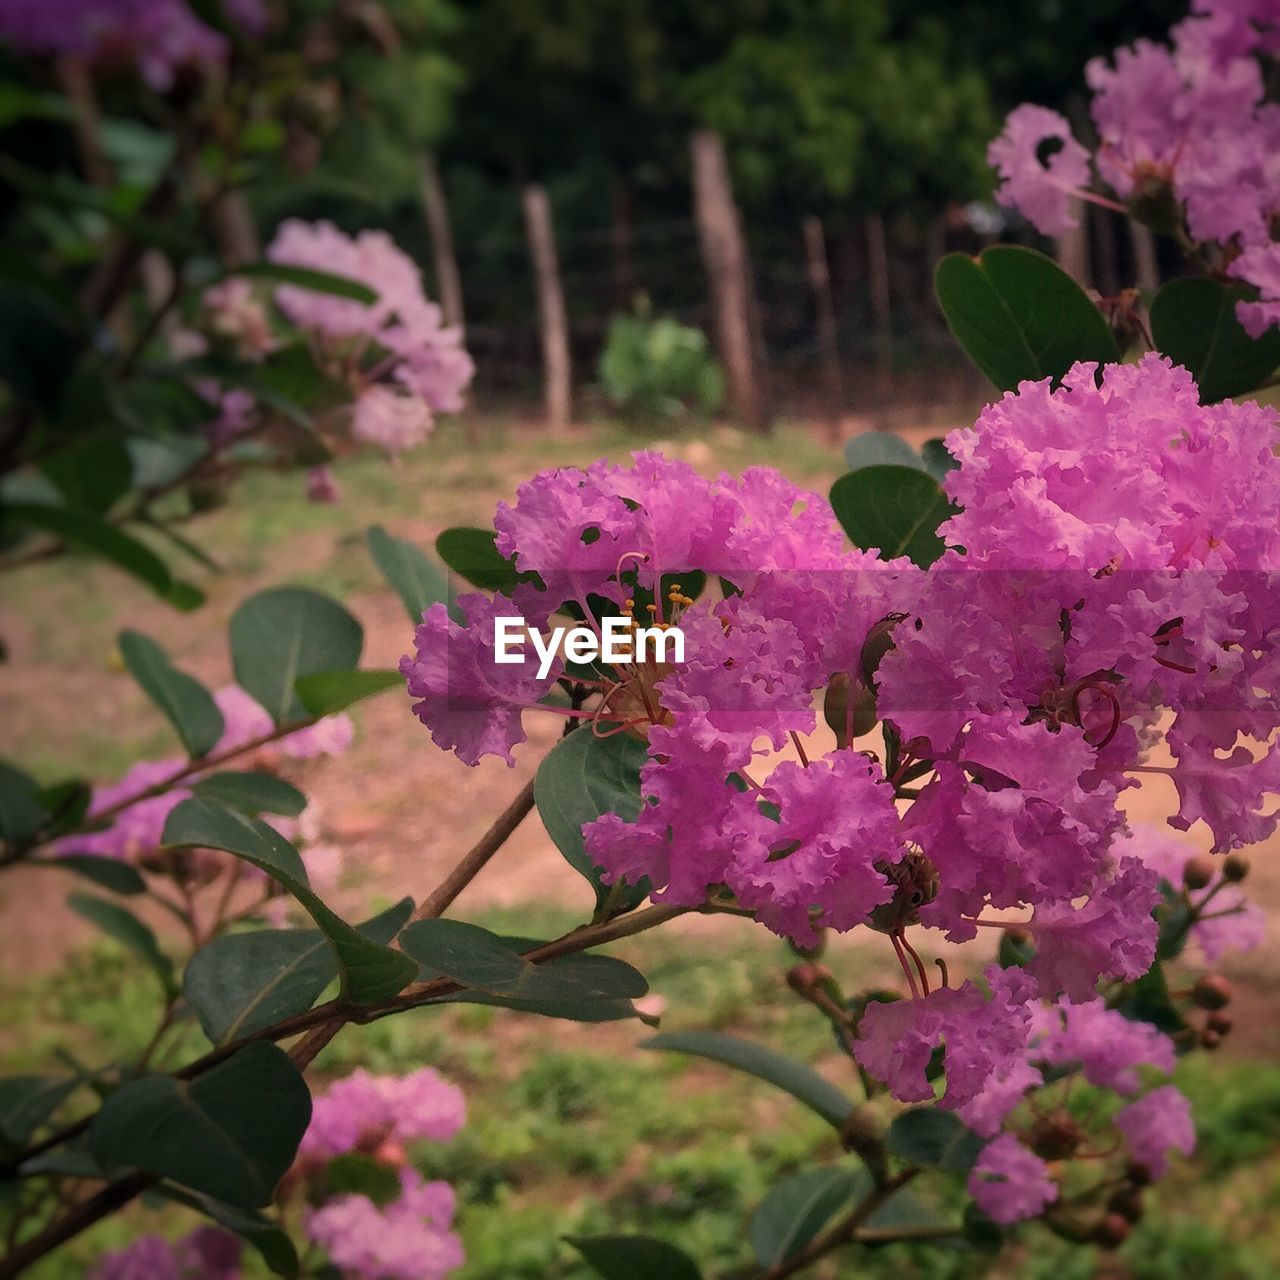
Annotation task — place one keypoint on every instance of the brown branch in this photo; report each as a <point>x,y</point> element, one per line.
<point>439,901</point>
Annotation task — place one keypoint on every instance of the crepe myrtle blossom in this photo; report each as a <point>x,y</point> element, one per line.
<point>1010,1183</point>
<point>1105,613</point>
<point>363,1112</point>
<point>408,1239</point>
<point>1185,131</point>
<point>204,1254</point>
<point>417,366</point>
<point>160,37</point>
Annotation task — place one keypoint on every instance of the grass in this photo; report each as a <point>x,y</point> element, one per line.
<point>580,1131</point>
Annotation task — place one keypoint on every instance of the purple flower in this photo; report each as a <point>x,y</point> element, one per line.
<point>207,1253</point>
<point>1010,1183</point>
<point>1156,1124</point>
<point>409,1239</point>
<point>362,1111</point>
<point>1040,190</point>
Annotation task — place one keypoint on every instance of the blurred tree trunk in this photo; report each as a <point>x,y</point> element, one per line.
<point>881,304</point>
<point>621,240</point>
<point>815,243</point>
<point>1146,265</point>
<point>1108,251</point>
<point>234,229</point>
<point>551,311</point>
<point>1073,249</point>
<point>436,209</point>
<point>724,254</point>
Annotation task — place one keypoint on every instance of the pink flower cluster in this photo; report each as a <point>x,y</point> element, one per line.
<point>1013,1177</point>
<point>204,1254</point>
<point>427,366</point>
<point>136,820</point>
<point>410,1238</point>
<point>160,36</point>
<point>363,1111</point>
<point>1190,118</point>
<point>1107,612</point>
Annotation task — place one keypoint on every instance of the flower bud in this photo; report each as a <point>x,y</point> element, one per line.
<point>802,978</point>
<point>1235,868</point>
<point>1219,1022</point>
<point>863,1130</point>
<point>1138,1174</point>
<point>1127,1202</point>
<point>836,710</point>
<point>1212,991</point>
<point>1198,873</point>
<point>1111,1232</point>
<point>878,642</point>
<point>1055,1136</point>
<point>1210,1039</point>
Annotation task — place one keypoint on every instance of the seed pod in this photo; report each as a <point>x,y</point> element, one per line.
<point>802,978</point>
<point>1055,1136</point>
<point>1198,873</point>
<point>1235,868</point>
<point>1212,991</point>
<point>1127,1202</point>
<point>1111,1232</point>
<point>1219,1022</point>
<point>1138,1174</point>
<point>1210,1039</point>
<point>915,881</point>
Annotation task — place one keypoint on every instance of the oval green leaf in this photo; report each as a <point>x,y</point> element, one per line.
<point>186,703</point>
<point>893,510</point>
<point>1019,316</point>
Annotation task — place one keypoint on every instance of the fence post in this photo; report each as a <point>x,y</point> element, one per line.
<point>1073,249</point>
<point>551,311</point>
<point>1146,266</point>
<point>881,305</point>
<point>436,208</point>
<point>723,252</point>
<point>815,244</point>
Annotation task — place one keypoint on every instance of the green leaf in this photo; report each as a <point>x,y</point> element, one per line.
<point>231,1133</point>
<point>243,982</point>
<point>367,970</point>
<point>21,813</point>
<point>1015,953</point>
<point>121,924</point>
<point>187,704</point>
<point>880,449</point>
<point>895,510</point>
<point>305,278</point>
<point>26,1102</point>
<point>252,792</point>
<point>788,1074</point>
<point>415,579</point>
<point>1148,1000</point>
<point>468,954</point>
<point>329,691</point>
<point>106,873</point>
<point>287,632</point>
<point>581,988</point>
<point>1019,316</point>
<point>580,778</point>
<point>88,531</point>
<point>904,1211</point>
<point>92,471</point>
<point>66,805</point>
<point>635,1258</point>
<point>266,1236</point>
<point>1193,322</point>
<point>925,1135</point>
<point>938,461</point>
<point>472,555</point>
<point>357,1174</point>
<point>798,1208</point>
